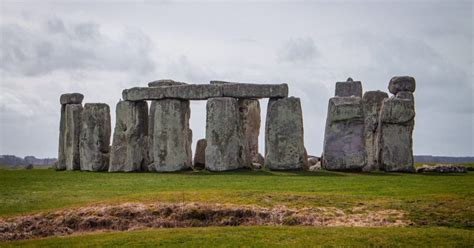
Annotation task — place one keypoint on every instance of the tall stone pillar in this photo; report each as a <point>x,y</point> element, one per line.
<point>69,129</point>
<point>396,123</point>
<point>95,137</point>
<point>171,141</point>
<point>372,103</point>
<point>130,141</point>
<point>284,135</point>
<point>250,116</point>
<point>225,148</point>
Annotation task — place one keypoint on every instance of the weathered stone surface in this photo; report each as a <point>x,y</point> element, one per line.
<point>72,136</point>
<point>284,135</point>
<point>61,164</point>
<point>442,168</point>
<point>405,95</point>
<point>95,137</point>
<point>402,83</point>
<point>349,88</point>
<point>250,115</point>
<point>344,143</point>
<point>225,148</point>
<point>164,82</point>
<point>171,141</point>
<point>129,150</point>
<point>372,103</point>
<point>205,91</point>
<point>200,154</point>
<point>394,137</point>
<point>71,98</point>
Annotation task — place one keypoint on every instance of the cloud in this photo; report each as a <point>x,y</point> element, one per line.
<point>298,50</point>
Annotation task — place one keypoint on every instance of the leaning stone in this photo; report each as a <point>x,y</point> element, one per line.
<point>394,137</point>
<point>225,148</point>
<point>200,154</point>
<point>95,137</point>
<point>344,143</point>
<point>372,103</point>
<point>349,88</point>
<point>284,135</point>
<point>72,136</point>
<point>129,147</point>
<point>250,115</point>
<point>402,83</point>
<point>71,98</point>
<point>171,146</point>
<point>164,82</point>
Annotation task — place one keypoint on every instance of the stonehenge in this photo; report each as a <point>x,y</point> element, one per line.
<point>364,131</point>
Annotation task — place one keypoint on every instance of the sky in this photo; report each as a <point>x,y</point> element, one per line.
<point>99,48</point>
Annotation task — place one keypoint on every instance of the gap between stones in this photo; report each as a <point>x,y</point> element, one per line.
<point>134,216</point>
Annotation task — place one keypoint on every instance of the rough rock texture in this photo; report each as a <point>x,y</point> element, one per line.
<point>344,143</point>
<point>129,150</point>
<point>405,95</point>
<point>73,115</point>
<point>164,82</point>
<point>442,168</point>
<point>225,148</point>
<point>372,103</point>
<point>284,135</point>
<point>200,154</point>
<point>250,115</point>
<point>171,141</point>
<point>61,164</point>
<point>402,83</point>
<point>95,137</point>
<point>394,138</point>
<point>205,91</point>
<point>349,88</point>
<point>71,98</point>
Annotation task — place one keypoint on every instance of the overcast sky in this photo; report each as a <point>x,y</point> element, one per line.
<point>98,49</point>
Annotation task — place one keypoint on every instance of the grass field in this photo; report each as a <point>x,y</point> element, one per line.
<point>440,207</point>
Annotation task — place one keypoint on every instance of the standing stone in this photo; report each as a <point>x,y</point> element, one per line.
<point>95,137</point>
<point>394,138</point>
<point>129,147</point>
<point>344,142</point>
<point>65,99</point>
<point>402,83</point>
<point>372,103</point>
<point>284,135</point>
<point>349,88</point>
<point>73,116</point>
<point>200,154</point>
<point>171,141</point>
<point>250,115</point>
<point>225,148</point>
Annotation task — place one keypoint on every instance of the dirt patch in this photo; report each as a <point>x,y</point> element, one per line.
<point>132,216</point>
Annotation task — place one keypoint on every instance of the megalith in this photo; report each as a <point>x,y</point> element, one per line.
<point>200,154</point>
<point>225,148</point>
<point>372,103</point>
<point>129,150</point>
<point>394,137</point>
<point>344,142</point>
<point>284,134</point>
<point>73,118</point>
<point>171,142</point>
<point>349,88</point>
<point>95,137</point>
<point>67,148</point>
<point>249,110</point>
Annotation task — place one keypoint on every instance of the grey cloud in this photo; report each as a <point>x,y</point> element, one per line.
<point>298,50</point>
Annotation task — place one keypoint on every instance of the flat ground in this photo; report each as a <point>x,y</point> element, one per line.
<point>388,208</point>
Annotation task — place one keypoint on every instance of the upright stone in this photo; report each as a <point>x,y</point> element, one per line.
<point>225,148</point>
<point>284,135</point>
<point>171,141</point>
<point>95,137</point>
<point>200,154</point>
<point>344,142</point>
<point>250,116</point>
<point>394,138</point>
<point>349,88</point>
<point>372,103</point>
<point>72,136</point>
<point>129,147</point>
<point>402,83</point>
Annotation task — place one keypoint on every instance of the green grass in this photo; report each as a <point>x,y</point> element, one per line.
<point>428,199</point>
<point>265,237</point>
